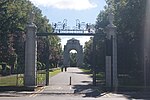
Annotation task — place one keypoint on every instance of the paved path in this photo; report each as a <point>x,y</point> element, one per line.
<point>60,83</point>
<point>80,89</point>
<point>78,78</point>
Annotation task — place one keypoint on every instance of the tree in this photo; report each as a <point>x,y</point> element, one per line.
<point>88,52</point>
<point>56,50</point>
<point>73,60</point>
<point>100,25</point>
<point>15,14</point>
<point>130,35</point>
<point>52,43</point>
<point>129,32</point>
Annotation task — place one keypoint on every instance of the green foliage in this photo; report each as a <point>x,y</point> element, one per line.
<point>49,50</point>
<point>100,52</point>
<point>41,77</point>
<point>87,70</point>
<point>39,66</point>
<point>8,81</point>
<point>5,69</point>
<point>56,50</point>
<point>129,34</point>
<point>73,61</point>
<point>88,52</point>
<point>54,72</point>
<point>14,15</point>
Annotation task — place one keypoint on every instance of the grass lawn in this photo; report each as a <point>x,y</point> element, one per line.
<point>54,72</point>
<point>12,79</point>
<point>87,71</point>
<point>99,76</point>
<point>8,80</point>
<point>41,77</point>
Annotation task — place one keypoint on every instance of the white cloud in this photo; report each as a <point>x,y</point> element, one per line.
<point>66,4</point>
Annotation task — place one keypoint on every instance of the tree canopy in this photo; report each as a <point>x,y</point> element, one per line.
<point>129,19</point>
<point>14,15</point>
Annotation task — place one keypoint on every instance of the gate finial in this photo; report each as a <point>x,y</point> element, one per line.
<point>111,18</point>
<point>110,15</point>
<point>31,16</point>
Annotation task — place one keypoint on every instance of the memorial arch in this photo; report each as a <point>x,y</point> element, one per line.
<point>73,44</point>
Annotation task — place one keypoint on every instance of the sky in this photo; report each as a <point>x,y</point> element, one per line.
<point>83,10</point>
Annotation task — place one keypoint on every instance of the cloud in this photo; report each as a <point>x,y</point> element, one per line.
<point>66,4</point>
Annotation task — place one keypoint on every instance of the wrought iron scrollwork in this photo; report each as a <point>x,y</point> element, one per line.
<point>80,27</point>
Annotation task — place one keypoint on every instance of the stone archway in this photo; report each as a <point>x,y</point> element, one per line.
<point>73,44</point>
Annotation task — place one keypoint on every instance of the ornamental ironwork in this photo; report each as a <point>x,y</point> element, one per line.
<point>80,27</point>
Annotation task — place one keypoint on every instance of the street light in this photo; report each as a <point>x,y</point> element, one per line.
<point>59,26</point>
<point>64,23</point>
<point>78,25</point>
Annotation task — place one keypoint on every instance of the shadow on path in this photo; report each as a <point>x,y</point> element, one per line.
<point>81,72</point>
<point>88,90</point>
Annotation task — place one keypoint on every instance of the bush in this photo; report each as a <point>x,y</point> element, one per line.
<point>39,65</point>
<point>0,69</point>
<point>43,66</point>
<point>5,69</point>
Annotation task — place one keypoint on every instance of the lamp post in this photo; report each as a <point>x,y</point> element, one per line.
<point>78,25</point>
<point>59,26</point>
<point>64,23</point>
